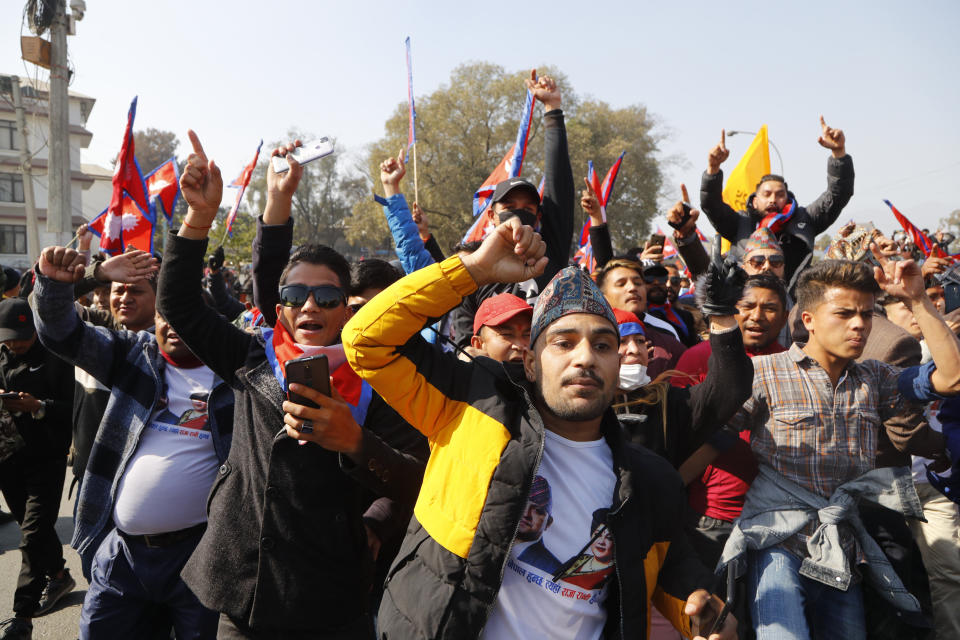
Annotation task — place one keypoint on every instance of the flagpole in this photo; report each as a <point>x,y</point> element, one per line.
<point>416,193</point>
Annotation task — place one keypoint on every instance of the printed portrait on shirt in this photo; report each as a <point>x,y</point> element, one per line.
<point>534,522</point>
<point>594,565</point>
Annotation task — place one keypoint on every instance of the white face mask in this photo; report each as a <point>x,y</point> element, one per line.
<point>633,376</point>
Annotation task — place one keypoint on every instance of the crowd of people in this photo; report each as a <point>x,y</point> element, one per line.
<point>495,443</point>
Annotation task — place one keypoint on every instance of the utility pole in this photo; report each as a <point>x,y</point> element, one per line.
<point>59,207</point>
<point>26,170</point>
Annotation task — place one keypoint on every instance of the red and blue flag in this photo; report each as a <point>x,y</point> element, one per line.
<point>512,162</point>
<point>163,184</point>
<point>127,176</point>
<point>584,254</point>
<point>918,237</point>
<point>241,183</point>
<point>128,226</point>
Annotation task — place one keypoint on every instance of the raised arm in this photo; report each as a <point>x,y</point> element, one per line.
<point>274,239</point>
<point>685,235</point>
<point>211,337</point>
<point>721,215</point>
<point>599,231</point>
<point>376,339</point>
<point>96,350</point>
<point>825,210</point>
<point>905,281</point>
<point>406,236</point>
<point>556,225</point>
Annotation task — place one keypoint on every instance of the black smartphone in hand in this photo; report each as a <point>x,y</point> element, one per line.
<point>310,371</point>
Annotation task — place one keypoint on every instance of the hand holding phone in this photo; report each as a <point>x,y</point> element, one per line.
<point>310,371</point>
<point>304,154</point>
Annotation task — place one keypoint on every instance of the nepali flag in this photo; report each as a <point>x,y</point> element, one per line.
<point>131,227</point>
<point>163,184</point>
<point>412,124</point>
<point>241,183</point>
<point>918,237</point>
<point>127,176</point>
<point>512,162</point>
<point>584,254</point>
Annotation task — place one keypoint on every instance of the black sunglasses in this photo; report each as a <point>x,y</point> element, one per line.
<point>775,260</point>
<point>326,296</point>
<point>657,279</point>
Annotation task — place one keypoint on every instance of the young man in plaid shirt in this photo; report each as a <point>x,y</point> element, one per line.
<point>815,416</point>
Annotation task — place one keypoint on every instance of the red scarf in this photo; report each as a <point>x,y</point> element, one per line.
<point>345,380</point>
<point>777,220</point>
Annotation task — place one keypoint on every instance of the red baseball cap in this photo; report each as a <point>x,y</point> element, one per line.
<point>497,309</point>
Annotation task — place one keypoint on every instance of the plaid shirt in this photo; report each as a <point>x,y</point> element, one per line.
<point>817,436</point>
<point>820,437</point>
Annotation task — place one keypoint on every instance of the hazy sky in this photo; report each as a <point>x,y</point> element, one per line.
<point>885,72</point>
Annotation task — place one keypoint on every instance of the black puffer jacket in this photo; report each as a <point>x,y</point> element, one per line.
<point>806,223</point>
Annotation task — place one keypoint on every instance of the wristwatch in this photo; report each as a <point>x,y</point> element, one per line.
<point>41,412</point>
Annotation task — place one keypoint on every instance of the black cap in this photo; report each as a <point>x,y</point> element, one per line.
<point>16,320</point>
<point>655,271</point>
<point>13,277</point>
<point>509,185</point>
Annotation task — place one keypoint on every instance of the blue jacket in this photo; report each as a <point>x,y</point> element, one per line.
<point>410,248</point>
<point>129,364</point>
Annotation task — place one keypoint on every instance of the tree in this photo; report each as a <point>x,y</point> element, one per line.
<point>466,126</point>
<point>154,147</point>
<point>324,198</point>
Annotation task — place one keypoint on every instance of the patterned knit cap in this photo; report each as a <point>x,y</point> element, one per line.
<point>571,291</point>
<point>762,238</point>
<point>540,494</point>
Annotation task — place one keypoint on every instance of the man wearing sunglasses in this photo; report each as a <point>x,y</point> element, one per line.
<point>763,254</point>
<point>659,305</point>
<point>294,527</point>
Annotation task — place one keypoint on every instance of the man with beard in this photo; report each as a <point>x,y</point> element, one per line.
<point>773,206</point>
<point>457,573</point>
<point>659,306</point>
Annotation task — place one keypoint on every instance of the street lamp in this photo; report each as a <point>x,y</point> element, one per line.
<point>753,133</point>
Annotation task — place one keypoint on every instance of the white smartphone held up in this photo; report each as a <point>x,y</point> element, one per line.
<point>307,153</point>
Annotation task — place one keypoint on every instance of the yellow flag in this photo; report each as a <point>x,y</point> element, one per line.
<point>743,180</point>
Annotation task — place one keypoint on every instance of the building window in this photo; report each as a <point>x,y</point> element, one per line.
<point>13,238</point>
<point>11,187</point>
<point>8,135</point>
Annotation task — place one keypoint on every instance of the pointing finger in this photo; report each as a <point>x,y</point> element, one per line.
<point>195,141</point>
<point>723,139</point>
<point>823,124</point>
<point>683,190</point>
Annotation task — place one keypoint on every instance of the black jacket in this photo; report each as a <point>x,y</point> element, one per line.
<point>556,228</point>
<point>285,546</point>
<point>689,416</point>
<point>46,377</point>
<point>806,223</point>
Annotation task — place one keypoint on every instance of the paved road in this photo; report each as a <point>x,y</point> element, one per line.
<point>62,623</point>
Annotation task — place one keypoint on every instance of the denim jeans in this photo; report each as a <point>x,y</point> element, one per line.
<point>788,606</point>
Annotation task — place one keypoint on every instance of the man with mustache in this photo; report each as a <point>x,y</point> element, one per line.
<point>492,431</point>
<point>773,206</point>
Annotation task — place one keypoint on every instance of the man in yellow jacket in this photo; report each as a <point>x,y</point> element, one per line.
<point>496,427</point>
